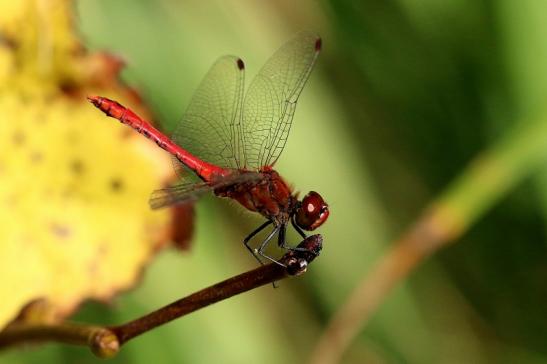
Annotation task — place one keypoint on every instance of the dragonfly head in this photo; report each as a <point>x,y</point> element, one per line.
<point>312,212</point>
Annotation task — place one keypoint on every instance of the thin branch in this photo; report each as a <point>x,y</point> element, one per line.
<point>486,180</point>
<point>105,342</point>
<point>99,339</point>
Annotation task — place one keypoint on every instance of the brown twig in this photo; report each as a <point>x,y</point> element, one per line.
<point>105,342</point>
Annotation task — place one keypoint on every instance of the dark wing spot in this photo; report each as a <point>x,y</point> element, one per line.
<point>240,64</point>
<point>116,185</point>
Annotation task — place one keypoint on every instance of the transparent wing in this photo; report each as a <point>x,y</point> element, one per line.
<point>178,194</point>
<point>271,99</point>
<point>209,128</point>
<point>188,191</point>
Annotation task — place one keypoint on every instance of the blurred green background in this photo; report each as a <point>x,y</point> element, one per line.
<point>403,96</point>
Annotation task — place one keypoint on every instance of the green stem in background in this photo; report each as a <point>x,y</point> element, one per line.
<point>105,342</point>
<point>489,177</point>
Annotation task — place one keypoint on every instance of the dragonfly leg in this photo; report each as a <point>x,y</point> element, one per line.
<point>260,250</point>
<point>282,241</point>
<point>252,235</point>
<point>297,228</point>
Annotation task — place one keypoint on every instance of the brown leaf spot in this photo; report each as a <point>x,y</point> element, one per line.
<point>69,88</point>
<point>77,166</point>
<point>40,118</point>
<point>94,265</point>
<point>11,200</point>
<point>116,185</point>
<point>19,138</point>
<point>73,137</point>
<point>36,157</point>
<point>126,133</point>
<point>60,231</point>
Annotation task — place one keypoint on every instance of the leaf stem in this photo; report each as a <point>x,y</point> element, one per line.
<point>105,342</point>
<point>220,291</point>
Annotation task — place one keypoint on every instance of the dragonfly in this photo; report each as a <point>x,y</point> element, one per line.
<point>228,141</point>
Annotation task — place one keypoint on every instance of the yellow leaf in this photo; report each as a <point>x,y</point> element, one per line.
<point>74,218</point>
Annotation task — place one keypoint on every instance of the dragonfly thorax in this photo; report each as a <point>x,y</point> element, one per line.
<point>270,196</point>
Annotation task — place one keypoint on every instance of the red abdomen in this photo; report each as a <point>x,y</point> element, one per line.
<point>204,170</point>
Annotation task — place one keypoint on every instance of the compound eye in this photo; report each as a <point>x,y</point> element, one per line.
<point>313,212</point>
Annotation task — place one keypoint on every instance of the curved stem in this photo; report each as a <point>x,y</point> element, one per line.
<point>105,342</point>
<point>100,340</point>
<point>220,291</point>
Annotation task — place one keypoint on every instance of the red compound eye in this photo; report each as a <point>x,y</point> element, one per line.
<point>313,211</point>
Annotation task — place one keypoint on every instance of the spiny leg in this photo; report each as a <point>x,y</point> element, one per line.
<point>260,250</point>
<point>252,235</point>
<point>297,228</point>
<point>282,241</point>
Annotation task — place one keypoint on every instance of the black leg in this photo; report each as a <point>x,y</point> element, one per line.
<point>251,235</point>
<point>297,228</point>
<point>260,250</point>
<point>282,242</point>
<point>282,237</point>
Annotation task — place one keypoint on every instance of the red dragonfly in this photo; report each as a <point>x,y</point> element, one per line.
<point>231,142</point>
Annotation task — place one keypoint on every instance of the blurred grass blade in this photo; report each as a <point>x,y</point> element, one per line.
<point>489,177</point>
